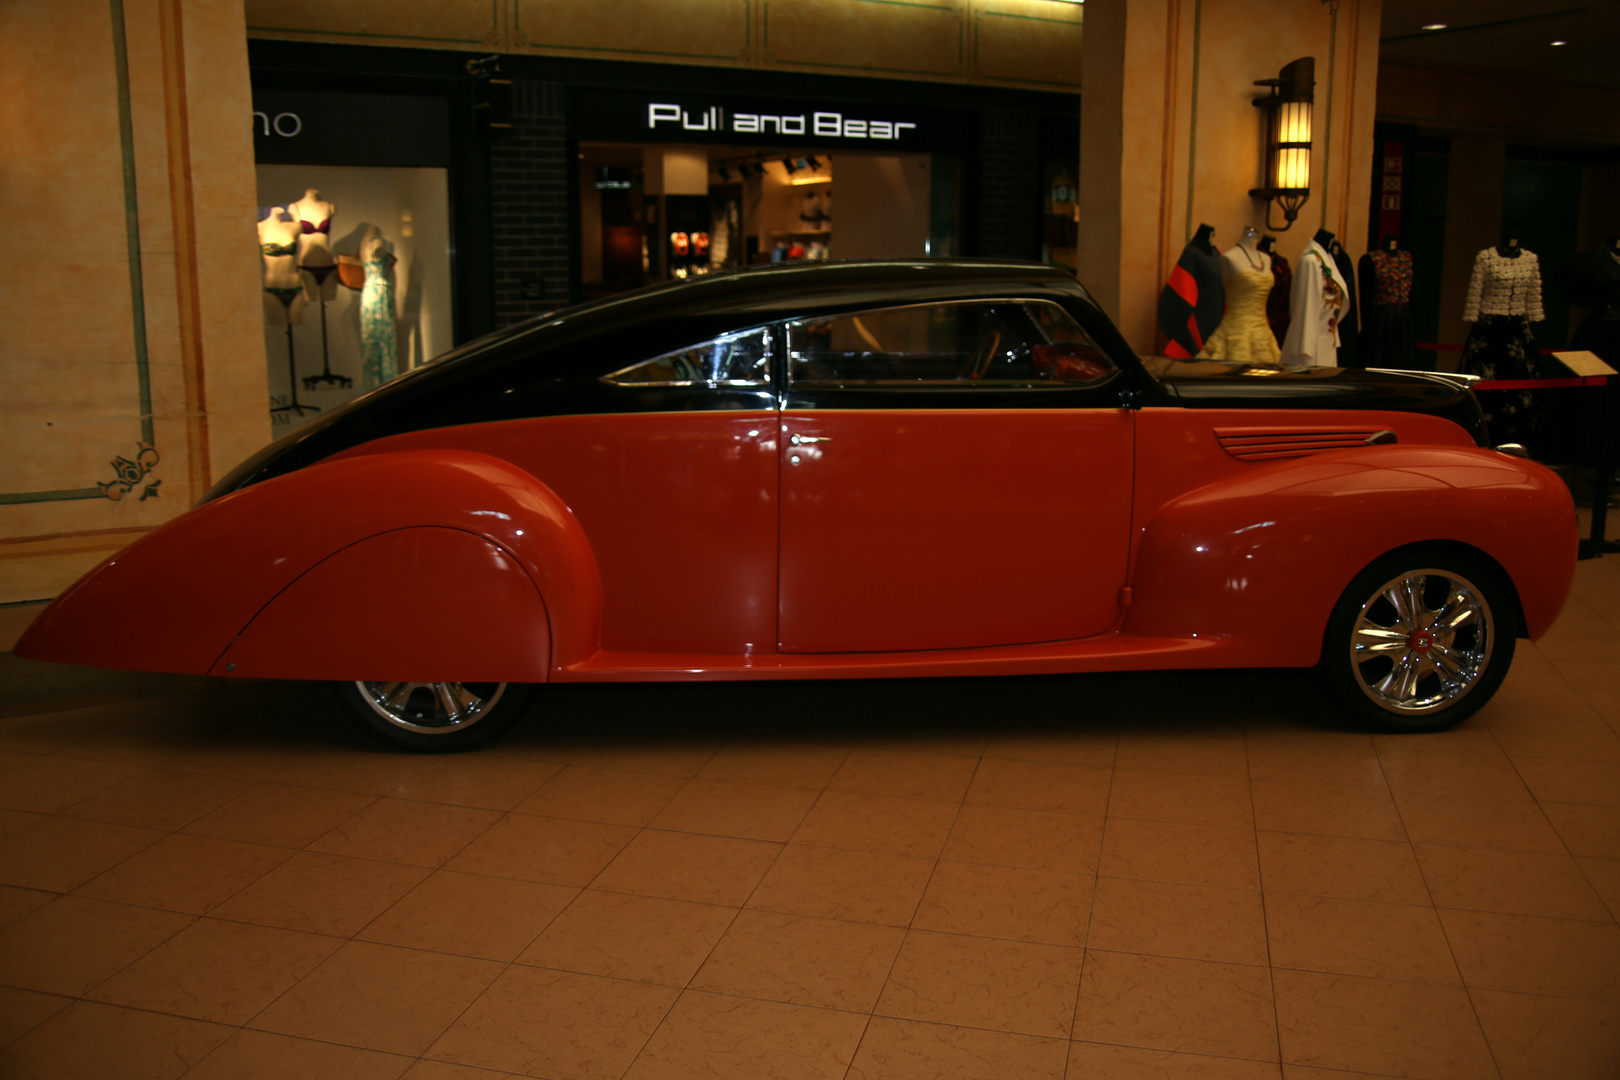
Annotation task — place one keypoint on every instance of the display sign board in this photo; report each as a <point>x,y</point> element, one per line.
<point>1584,363</point>
<point>662,117</point>
<point>304,127</point>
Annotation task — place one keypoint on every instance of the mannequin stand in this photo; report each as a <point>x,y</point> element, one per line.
<point>320,274</point>
<point>286,297</point>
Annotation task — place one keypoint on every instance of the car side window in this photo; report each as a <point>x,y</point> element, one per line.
<point>999,343</point>
<point>740,359</point>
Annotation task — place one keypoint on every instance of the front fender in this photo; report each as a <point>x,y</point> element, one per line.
<point>1262,557</point>
<point>178,597</point>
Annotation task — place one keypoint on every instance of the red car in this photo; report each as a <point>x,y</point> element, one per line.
<point>846,470</point>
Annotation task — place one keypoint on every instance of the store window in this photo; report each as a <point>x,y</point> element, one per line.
<point>962,344</point>
<point>730,360</point>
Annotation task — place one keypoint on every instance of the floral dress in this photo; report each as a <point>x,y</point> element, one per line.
<point>379,350</point>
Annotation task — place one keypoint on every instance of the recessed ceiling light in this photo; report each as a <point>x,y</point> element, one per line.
<point>1560,43</point>
<point>1434,26</point>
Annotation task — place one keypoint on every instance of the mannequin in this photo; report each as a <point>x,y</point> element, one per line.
<point>1504,298</point>
<point>1243,335</point>
<point>314,216</point>
<point>283,292</point>
<point>379,350</point>
<point>1349,352</point>
<point>1191,302</point>
<point>1315,303</point>
<point>1277,301</point>
<point>1390,338</point>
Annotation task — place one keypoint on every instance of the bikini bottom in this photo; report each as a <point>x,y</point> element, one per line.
<point>286,296</point>
<point>319,273</point>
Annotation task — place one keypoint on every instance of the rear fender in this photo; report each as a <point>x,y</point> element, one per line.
<point>1262,557</point>
<point>178,597</point>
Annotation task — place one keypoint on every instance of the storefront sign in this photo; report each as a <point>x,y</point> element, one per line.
<point>301,127</point>
<point>657,118</point>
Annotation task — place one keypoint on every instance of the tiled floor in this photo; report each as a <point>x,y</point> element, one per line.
<point>1157,876</point>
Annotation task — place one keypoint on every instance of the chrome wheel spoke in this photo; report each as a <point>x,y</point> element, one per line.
<point>1378,640</point>
<point>1426,668</point>
<point>449,707</point>
<point>396,694</point>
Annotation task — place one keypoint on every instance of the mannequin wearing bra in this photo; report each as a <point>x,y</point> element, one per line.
<point>314,216</point>
<point>283,285</point>
<point>1244,336</point>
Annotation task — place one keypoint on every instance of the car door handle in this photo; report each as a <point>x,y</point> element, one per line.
<point>801,440</point>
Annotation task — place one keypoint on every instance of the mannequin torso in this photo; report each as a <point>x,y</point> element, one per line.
<point>314,216</point>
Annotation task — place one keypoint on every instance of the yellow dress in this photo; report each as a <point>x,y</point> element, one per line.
<point>1244,336</point>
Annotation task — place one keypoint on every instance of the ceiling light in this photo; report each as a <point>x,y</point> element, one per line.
<point>1560,43</point>
<point>1434,26</point>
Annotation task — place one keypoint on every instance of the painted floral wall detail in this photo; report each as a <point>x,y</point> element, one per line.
<point>132,474</point>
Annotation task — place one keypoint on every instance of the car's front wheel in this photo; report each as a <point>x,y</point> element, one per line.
<point>1419,641</point>
<point>434,717</point>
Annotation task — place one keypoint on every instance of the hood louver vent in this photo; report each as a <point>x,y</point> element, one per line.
<point>1268,443</point>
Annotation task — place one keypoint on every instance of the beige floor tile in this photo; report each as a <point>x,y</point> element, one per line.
<point>1096,748</point>
<point>1317,759</point>
<point>60,854</point>
<point>260,1055</point>
<point>247,758</point>
<point>713,1037</point>
<point>41,733</point>
<point>1379,1026</point>
<point>641,938</point>
<point>72,944</point>
<point>802,961</point>
<point>1015,986</point>
<point>1041,785</point>
<point>15,902</point>
<point>1183,752</point>
<point>488,783</point>
<point>907,774</point>
<point>668,759</point>
<point>1533,1037</point>
<point>1367,813</point>
<point>1170,1003</point>
<point>1587,830</point>
<point>1517,824</point>
<point>1604,876</point>
<point>23,1010</point>
<point>1571,780</point>
<point>1358,937</point>
<point>160,799</point>
<point>1459,762</point>
<point>1341,866</point>
<point>401,831</point>
<point>1557,733</point>
<point>215,970</point>
<point>594,1026</point>
<point>1006,902</point>
<point>143,742</point>
<point>379,997</point>
<point>87,1041</point>
<point>550,850</point>
<point>1197,922</point>
<point>829,883</point>
<point>49,785</point>
<point>1096,1061</point>
<point>686,866</point>
<point>363,772</point>
<point>1511,882</point>
<point>880,823</point>
<point>1188,854</point>
<point>1037,839</point>
<point>736,808</point>
<point>191,874</point>
<point>470,915</point>
<point>603,795</point>
<point>1186,798</point>
<point>424,1069</point>
<point>1533,955</point>
<point>901,1049</point>
<point>322,894</point>
<point>13,822</point>
<point>1306,1072</point>
<point>808,765</point>
<point>280,814</point>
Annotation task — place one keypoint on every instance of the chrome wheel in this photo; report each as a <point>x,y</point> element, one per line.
<point>431,708</point>
<point>1422,642</point>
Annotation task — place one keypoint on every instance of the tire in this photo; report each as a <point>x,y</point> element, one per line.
<point>1420,640</point>
<point>434,718</point>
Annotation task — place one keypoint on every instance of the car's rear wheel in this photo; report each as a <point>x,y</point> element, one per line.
<point>1420,640</point>
<point>434,717</point>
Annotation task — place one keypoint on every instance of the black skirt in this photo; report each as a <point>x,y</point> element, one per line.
<point>1501,347</point>
<point>1389,337</point>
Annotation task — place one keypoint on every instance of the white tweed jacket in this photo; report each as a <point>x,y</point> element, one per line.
<point>1502,286</point>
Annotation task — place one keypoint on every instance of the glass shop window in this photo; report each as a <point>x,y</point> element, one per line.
<point>741,359</point>
<point>1011,343</point>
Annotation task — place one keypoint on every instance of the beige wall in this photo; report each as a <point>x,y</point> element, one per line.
<point>881,211</point>
<point>1031,43</point>
<point>153,365</point>
<point>1169,138</point>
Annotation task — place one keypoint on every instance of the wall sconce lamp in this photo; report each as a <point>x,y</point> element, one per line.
<point>1287,175</point>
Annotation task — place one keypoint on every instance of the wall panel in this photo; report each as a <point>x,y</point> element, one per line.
<point>448,24</point>
<point>1027,41</point>
<point>676,30</point>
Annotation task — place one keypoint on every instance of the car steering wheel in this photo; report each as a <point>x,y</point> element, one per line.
<point>983,356</point>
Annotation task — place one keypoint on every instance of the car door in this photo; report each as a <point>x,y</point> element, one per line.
<point>953,475</point>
